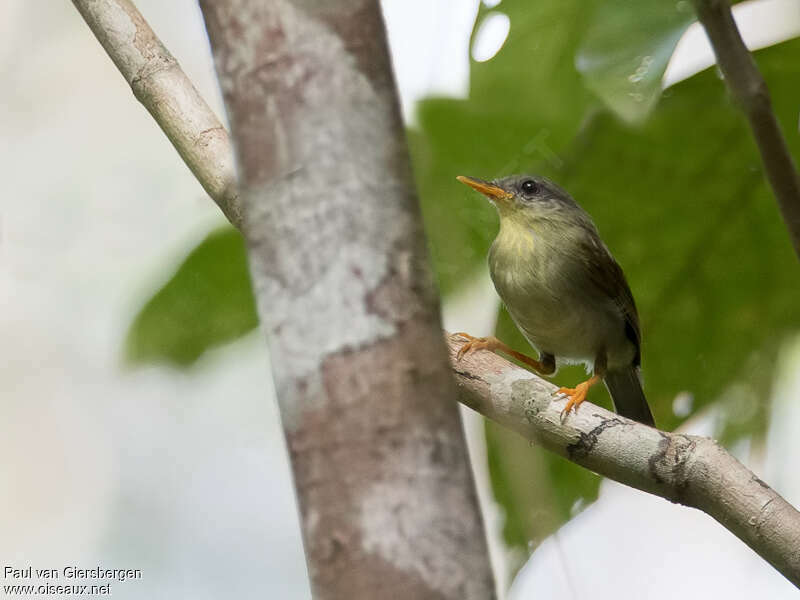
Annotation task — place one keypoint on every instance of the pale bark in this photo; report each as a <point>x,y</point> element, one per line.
<point>162,87</point>
<point>750,91</point>
<point>345,295</point>
<point>690,470</point>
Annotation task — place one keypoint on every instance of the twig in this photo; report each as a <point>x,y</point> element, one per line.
<point>162,87</point>
<point>750,91</point>
<point>689,470</point>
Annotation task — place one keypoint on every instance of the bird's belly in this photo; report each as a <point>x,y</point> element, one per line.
<point>559,329</point>
<point>559,320</point>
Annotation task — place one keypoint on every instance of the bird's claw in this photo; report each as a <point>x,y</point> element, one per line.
<point>575,397</point>
<point>472,344</point>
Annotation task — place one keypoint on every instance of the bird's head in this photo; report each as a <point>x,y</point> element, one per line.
<point>524,198</point>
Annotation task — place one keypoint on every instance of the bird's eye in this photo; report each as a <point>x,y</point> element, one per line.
<point>529,187</point>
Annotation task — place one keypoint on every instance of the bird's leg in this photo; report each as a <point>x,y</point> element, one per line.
<point>545,366</point>
<point>576,395</point>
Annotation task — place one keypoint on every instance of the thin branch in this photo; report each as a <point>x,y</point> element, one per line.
<point>685,469</point>
<point>750,91</point>
<point>162,87</point>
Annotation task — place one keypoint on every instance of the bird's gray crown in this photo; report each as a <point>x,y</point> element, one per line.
<point>535,190</point>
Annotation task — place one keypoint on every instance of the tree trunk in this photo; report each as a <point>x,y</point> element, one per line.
<point>345,296</point>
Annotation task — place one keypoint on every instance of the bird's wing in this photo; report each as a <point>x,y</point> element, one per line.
<point>607,276</point>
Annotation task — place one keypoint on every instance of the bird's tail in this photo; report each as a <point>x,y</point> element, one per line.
<point>626,391</point>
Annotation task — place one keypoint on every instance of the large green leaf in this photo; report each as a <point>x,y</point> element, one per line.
<point>626,50</point>
<point>208,301</point>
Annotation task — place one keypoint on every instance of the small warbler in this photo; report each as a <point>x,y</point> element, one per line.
<point>564,291</point>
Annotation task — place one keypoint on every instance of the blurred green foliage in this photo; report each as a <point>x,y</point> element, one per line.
<point>208,301</point>
<point>675,186</point>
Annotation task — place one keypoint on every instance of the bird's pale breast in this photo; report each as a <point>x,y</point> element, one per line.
<point>542,285</point>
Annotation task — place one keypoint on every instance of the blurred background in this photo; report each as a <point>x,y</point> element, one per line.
<point>138,427</point>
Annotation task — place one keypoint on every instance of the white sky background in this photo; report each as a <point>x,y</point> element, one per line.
<point>184,475</point>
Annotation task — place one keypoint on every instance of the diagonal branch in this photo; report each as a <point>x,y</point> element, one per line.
<point>165,91</point>
<point>690,470</point>
<point>750,91</point>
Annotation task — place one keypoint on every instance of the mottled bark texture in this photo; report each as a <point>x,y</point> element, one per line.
<point>686,469</point>
<point>340,271</point>
<point>164,90</point>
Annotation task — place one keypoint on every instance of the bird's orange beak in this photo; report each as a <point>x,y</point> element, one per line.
<point>489,190</point>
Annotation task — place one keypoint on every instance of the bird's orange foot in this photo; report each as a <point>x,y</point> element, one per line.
<point>575,396</point>
<point>473,343</point>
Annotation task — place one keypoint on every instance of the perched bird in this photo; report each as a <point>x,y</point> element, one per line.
<point>564,290</point>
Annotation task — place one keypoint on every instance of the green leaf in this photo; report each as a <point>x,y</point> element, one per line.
<point>207,302</point>
<point>626,50</point>
<point>531,510</point>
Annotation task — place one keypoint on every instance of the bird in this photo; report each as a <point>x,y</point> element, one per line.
<point>564,291</point>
